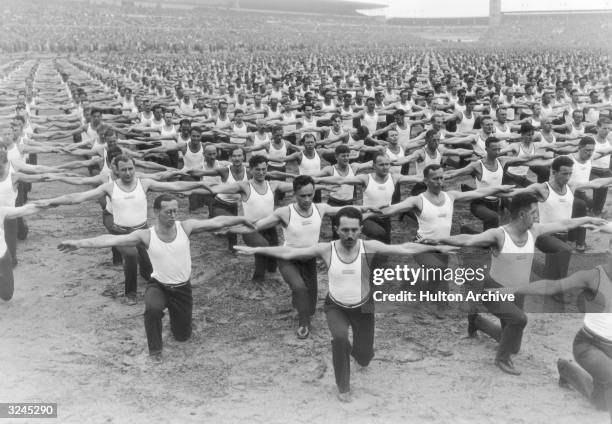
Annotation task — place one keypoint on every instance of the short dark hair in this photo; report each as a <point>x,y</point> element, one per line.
<point>302,181</point>
<point>157,203</point>
<point>491,140</point>
<point>560,161</point>
<point>521,202</point>
<point>430,168</point>
<point>429,134</point>
<point>349,212</point>
<point>585,141</point>
<point>343,148</point>
<point>123,158</point>
<point>256,160</point>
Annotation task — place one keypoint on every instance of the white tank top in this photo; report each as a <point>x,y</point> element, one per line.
<point>3,246</point>
<point>302,231</point>
<point>480,145</point>
<point>347,121</point>
<point>466,124</point>
<point>239,131</point>
<point>171,261</point>
<point>14,155</point>
<point>168,143</point>
<point>129,208</point>
<point>309,166</point>
<point>576,132</point>
<point>580,174</point>
<point>601,323</point>
<point>522,170</point>
<point>353,154</point>
<point>258,206</point>
<point>395,156</point>
<point>8,194</point>
<point>435,221</point>
<point>144,120</point>
<point>349,283</point>
<point>289,117</point>
<point>231,198</point>
<point>277,154</point>
<point>404,135</point>
<point>346,191</point>
<point>490,178</point>
<point>370,121</point>
<point>274,114</point>
<point>557,206</point>
<point>604,161</point>
<point>436,160</point>
<point>377,194</point>
<point>109,203</point>
<point>216,179</point>
<point>222,122</point>
<point>193,160</point>
<point>258,141</point>
<point>105,168</point>
<point>511,266</point>
<point>543,142</point>
<point>507,131</point>
<point>309,125</point>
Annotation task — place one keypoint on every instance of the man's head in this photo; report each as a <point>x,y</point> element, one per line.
<point>382,164</point>
<point>259,167</point>
<point>493,147</point>
<point>524,209</point>
<point>432,138</point>
<point>349,225</point>
<point>342,153</point>
<point>125,168</point>
<point>561,170</point>
<point>165,207</point>
<point>303,188</point>
<point>433,175</point>
<point>586,148</point>
<point>210,153</point>
<point>237,156</point>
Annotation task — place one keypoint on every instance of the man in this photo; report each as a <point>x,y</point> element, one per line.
<point>592,377</point>
<point>513,246</point>
<point>167,244</point>
<point>128,200</point>
<point>257,197</point>
<point>434,213</point>
<point>7,284</point>
<point>301,223</point>
<point>378,189</point>
<point>226,204</point>
<point>349,301</point>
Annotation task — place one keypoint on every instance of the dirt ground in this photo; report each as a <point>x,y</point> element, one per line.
<point>62,341</point>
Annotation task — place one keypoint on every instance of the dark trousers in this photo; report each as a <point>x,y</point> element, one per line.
<point>221,208</point>
<point>109,223</point>
<point>487,211</point>
<point>334,221</point>
<point>179,302</point>
<point>579,209</point>
<point>362,325</point>
<point>509,333</point>
<point>301,276</point>
<point>599,194</point>
<point>594,379</point>
<point>7,283</point>
<point>558,255</point>
<point>268,237</point>
<point>132,258</point>
<point>10,236</point>
<point>378,228</point>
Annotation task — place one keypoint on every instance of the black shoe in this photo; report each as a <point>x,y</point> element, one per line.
<point>302,332</point>
<point>506,366</point>
<point>472,329</point>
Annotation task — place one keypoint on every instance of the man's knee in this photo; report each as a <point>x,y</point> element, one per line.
<point>519,319</point>
<point>182,334</point>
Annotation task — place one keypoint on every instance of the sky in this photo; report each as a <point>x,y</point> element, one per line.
<point>472,8</point>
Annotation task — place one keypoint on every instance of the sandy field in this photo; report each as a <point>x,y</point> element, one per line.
<point>63,341</point>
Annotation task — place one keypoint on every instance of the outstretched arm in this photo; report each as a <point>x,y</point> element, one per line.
<point>192,226</point>
<point>287,253</point>
<point>107,240</point>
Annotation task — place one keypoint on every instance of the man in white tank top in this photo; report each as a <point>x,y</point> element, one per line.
<point>12,174</point>
<point>167,243</point>
<point>434,213</point>
<point>601,167</point>
<point>487,172</point>
<point>227,204</point>
<point>556,203</point>
<point>378,188</point>
<point>350,301</point>
<point>10,213</point>
<point>257,197</point>
<point>513,246</point>
<point>591,375</point>
<point>301,223</point>
<point>129,205</point>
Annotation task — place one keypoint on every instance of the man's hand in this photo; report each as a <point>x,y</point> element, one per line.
<point>245,250</point>
<point>68,246</point>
